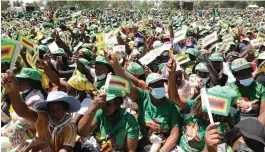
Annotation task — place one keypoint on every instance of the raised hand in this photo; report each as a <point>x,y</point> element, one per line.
<point>9,82</point>
<point>99,101</point>
<point>212,137</point>
<point>171,65</point>
<point>112,58</point>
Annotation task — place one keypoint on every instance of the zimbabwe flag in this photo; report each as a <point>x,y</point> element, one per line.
<point>220,105</point>
<point>27,43</point>
<point>8,49</point>
<point>117,85</point>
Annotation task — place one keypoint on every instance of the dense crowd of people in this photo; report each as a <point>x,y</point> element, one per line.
<point>62,100</point>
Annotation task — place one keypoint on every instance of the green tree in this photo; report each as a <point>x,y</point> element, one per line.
<point>35,4</point>
<point>17,3</point>
<point>5,5</point>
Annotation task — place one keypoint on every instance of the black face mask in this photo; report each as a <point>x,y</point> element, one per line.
<point>242,147</point>
<point>251,147</point>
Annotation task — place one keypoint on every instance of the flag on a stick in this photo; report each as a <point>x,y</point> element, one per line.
<point>117,85</point>
<point>27,43</point>
<point>9,51</point>
<point>219,104</point>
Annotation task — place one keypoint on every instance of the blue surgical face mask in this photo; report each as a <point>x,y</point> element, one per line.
<point>158,93</point>
<point>101,77</point>
<point>246,82</point>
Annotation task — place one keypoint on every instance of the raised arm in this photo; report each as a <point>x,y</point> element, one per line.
<point>86,124</point>
<point>172,89</point>
<point>53,77</point>
<point>9,82</point>
<point>261,117</point>
<point>213,73</point>
<point>112,59</point>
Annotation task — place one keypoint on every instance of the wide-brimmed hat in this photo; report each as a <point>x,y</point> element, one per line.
<point>59,96</point>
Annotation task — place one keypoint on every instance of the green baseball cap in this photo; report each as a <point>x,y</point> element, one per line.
<point>201,67</point>
<point>224,91</point>
<point>153,77</point>
<point>29,73</point>
<point>82,60</point>
<point>59,51</point>
<point>217,57</point>
<point>110,96</point>
<point>135,69</point>
<point>43,48</point>
<point>193,51</point>
<point>239,64</point>
<point>87,52</point>
<point>101,59</point>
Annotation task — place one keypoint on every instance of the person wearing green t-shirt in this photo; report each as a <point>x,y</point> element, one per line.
<point>156,113</point>
<point>102,68</point>
<point>118,130</point>
<point>251,94</point>
<point>194,127</point>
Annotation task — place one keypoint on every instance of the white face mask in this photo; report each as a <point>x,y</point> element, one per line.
<point>246,82</point>
<point>101,77</point>
<point>158,93</point>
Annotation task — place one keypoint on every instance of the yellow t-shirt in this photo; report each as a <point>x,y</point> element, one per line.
<point>65,137</point>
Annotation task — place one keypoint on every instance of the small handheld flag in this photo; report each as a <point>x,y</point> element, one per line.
<point>117,85</point>
<point>205,103</point>
<point>224,48</point>
<point>228,37</point>
<point>180,35</point>
<point>27,43</point>
<point>30,60</point>
<point>219,104</point>
<point>209,39</point>
<point>9,51</point>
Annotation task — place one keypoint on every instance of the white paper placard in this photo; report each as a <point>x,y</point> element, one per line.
<point>179,35</point>
<point>78,45</point>
<point>159,29</point>
<point>148,58</point>
<point>119,48</point>
<point>209,39</point>
<point>53,47</point>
